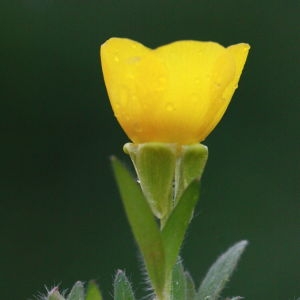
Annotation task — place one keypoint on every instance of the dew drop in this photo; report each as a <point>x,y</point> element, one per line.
<point>194,98</point>
<point>138,128</point>
<point>134,59</point>
<point>162,80</point>
<point>217,84</point>
<point>170,107</point>
<point>130,76</point>
<point>160,84</point>
<point>124,96</point>
<point>116,58</point>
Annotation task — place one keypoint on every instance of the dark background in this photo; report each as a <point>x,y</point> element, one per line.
<point>61,218</point>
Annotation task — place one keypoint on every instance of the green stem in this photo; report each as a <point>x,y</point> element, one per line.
<point>166,294</point>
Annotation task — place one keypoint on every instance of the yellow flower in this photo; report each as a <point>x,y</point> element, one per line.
<point>175,93</point>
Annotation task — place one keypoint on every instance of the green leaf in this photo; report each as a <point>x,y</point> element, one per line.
<point>182,286</point>
<point>77,292</point>
<point>178,286</point>
<point>190,291</point>
<point>55,295</point>
<point>143,225</point>
<point>93,292</point>
<point>176,225</point>
<point>122,287</point>
<point>220,272</point>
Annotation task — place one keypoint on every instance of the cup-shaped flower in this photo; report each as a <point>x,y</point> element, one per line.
<point>175,93</point>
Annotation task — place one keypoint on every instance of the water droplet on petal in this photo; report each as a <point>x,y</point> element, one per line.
<point>170,107</point>
<point>161,84</point>
<point>138,128</point>
<point>217,84</point>
<point>194,98</point>
<point>200,52</point>
<point>116,58</point>
<point>134,59</point>
<point>124,96</point>
<point>130,76</point>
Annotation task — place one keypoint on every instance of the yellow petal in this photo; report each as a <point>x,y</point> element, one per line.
<point>238,54</point>
<point>119,59</point>
<point>190,69</point>
<point>176,93</point>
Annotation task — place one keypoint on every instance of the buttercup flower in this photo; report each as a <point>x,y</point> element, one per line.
<point>175,93</point>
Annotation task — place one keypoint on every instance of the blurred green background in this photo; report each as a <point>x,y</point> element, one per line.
<point>61,216</point>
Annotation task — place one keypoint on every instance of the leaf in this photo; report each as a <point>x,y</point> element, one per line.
<point>54,295</point>
<point>220,272</point>
<point>77,292</point>
<point>143,225</point>
<point>182,287</point>
<point>190,291</point>
<point>122,287</point>
<point>93,292</point>
<point>176,225</point>
<point>178,286</point>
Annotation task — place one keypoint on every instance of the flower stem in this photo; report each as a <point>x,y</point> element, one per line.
<point>166,294</point>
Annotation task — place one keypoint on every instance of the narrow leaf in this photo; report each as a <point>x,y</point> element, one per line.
<point>143,225</point>
<point>190,291</point>
<point>122,287</point>
<point>176,225</point>
<point>220,272</point>
<point>54,295</point>
<point>93,292</point>
<point>77,292</point>
<point>178,287</point>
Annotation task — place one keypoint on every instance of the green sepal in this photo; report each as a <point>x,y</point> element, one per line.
<point>174,230</point>
<point>122,287</point>
<point>220,272</point>
<point>93,292</point>
<point>143,225</point>
<point>155,166</point>
<point>190,166</point>
<point>54,295</point>
<point>77,292</point>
